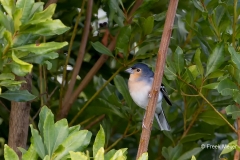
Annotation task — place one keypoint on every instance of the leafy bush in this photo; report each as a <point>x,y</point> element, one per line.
<point>20,30</point>
<point>57,141</point>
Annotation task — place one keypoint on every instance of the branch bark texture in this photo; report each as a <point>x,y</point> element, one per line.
<point>19,119</point>
<point>162,53</point>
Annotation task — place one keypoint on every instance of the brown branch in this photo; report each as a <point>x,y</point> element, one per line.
<point>19,119</point>
<point>62,111</point>
<point>162,53</point>
<point>133,10</point>
<point>98,119</point>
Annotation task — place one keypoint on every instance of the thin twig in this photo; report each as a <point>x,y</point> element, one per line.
<point>64,79</point>
<point>98,119</point>
<point>62,112</point>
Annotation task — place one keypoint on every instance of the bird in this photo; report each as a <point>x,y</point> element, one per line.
<point>139,85</point>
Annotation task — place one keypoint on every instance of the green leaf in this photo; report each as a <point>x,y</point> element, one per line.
<point>18,96</point>
<point>9,153</point>
<point>17,19</point>
<point>49,133</point>
<point>5,76</point>
<point>30,154</point>
<point>7,22</point>
<point>37,7</point>
<point>226,87</point>
<point>11,84</point>
<point>235,56</point>
<point>100,154</point>
<point>26,6</point>
<point>233,110</point>
<point>193,158</point>
<point>198,5</point>
<point>211,86</point>
<point>148,25</point>
<point>42,116</point>
<point>43,15</point>
<point>37,142</point>
<point>189,154</point>
<point>144,156</point>
<point>216,59</point>
<point>212,118</point>
<point>101,48</point>
<point>197,61</point>
<point>123,89</point>
<point>178,60</point>
<point>123,39</point>
<point>47,28</point>
<point>169,73</point>
<point>229,148</point>
<point>25,67</point>
<point>99,141</point>
<point>194,136</point>
<point>40,58</point>
<point>9,6</point>
<point>78,156</point>
<point>42,47</point>
<point>61,133</point>
<point>109,154</point>
<point>76,141</point>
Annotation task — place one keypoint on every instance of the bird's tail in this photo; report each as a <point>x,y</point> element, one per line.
<point>162,121</point>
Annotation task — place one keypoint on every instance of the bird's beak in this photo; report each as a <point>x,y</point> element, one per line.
<point>129,70</point>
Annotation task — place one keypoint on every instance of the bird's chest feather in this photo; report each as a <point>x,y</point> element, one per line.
<point>139,91</point>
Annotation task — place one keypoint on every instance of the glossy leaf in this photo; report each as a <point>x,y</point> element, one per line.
<point>197,61</point>
<point>47,28</point>
<point>148,25</point>
<point>229,148</point>
<point>6,22</point>
<point>44,15</point>
<point>99,141</point>
<point>123,89</point>
<point>101,48</point>
<point>40,58</point>
<point>211,86</point>
<point>26,6</point>
<point>178,60</point>
<point>30,154</point>
<point>212,118</point>
<point>100,154</point>
<point>235,56</point>
<point>18,96</point>
<point>233,110</point>
<point>5,76</point>
<point>189,154</point>
<point>216,59</point>
<point>42,47</point>
<point>17,19</point>
<point>78,156</point>
<point>9,6</point>
<point>76,141</point>
<point>37,143</point>
<point>144,156</point>
<point>194,137</point>
<point>25,67</point>
<point>123,39</point>
<point>49,133</point>
<point>9,153</point>
<point>226,87</point>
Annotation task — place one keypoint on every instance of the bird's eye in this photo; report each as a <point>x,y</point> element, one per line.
<point>138,70</point>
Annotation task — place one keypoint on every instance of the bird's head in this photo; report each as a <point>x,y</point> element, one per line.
<point>139,70</point>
